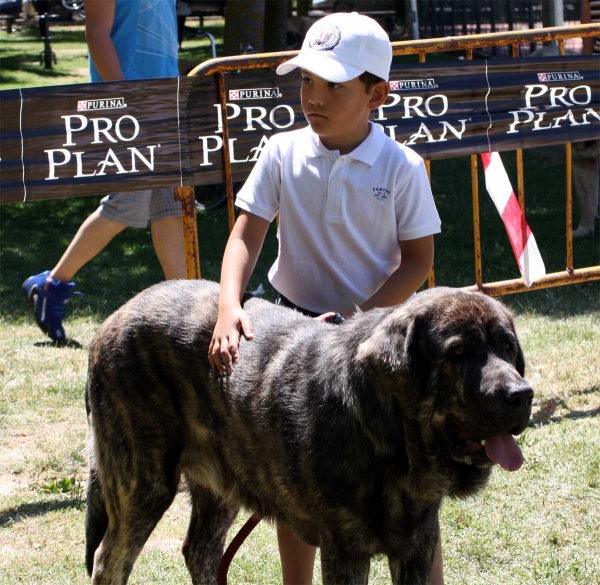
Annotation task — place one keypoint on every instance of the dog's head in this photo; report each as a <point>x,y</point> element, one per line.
<point>454,362</point>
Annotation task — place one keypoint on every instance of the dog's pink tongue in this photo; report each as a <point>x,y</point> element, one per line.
<point>504,451</point>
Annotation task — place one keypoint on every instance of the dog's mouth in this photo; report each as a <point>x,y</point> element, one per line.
<point>501,449</point>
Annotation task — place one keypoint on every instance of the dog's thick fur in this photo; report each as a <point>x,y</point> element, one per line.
<point>351,435</point>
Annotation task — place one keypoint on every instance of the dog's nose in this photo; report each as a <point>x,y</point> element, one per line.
<point>519,395</point>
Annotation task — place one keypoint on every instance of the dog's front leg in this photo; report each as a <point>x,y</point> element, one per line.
<point>342,566</point>
<point>416,570</point>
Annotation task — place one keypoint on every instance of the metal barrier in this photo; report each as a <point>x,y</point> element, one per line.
<point>514,39</point>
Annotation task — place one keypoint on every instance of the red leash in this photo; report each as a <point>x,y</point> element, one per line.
<point>233,547</point>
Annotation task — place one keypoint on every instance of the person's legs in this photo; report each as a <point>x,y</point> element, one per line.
<point>437,575</point>
<point>297,558</point>
<point>167,237</point>
<point>49,292</point>
<point>91,238</point>
<point>48,299</point>
<point>167,233</point>
<point>586,177</point>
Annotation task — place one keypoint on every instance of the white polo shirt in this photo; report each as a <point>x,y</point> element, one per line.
<point>341,216</point>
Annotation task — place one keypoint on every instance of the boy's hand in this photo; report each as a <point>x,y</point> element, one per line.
<point>323,318</point>
<point>331,317</point>
<point>224,347</point>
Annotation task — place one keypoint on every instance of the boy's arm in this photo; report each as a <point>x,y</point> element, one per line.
<point>99,19</point>
<point>241,253</point>
<point>417,258</point>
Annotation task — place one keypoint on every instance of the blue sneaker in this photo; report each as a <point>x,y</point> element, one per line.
<point>49,299</point>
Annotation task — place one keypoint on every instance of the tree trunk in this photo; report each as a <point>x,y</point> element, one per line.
<point>552,15</point>
<point>244,25</point>
<point>276,14</point>
<point>303,7</point>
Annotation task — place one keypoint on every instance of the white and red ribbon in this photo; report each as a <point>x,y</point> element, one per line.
<point>521,239</point>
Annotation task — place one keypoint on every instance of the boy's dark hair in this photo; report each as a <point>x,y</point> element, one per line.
<point>369,80</point>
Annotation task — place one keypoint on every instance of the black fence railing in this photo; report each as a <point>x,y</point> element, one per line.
<point>441,18</point>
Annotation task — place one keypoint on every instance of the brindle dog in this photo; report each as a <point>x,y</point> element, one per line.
<point>349,434</point>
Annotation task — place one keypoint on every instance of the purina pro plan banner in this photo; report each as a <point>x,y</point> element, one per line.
<point>100,138</point>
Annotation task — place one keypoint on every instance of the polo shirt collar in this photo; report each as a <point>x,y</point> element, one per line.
<point>370,148</point>
<point>367,151</point>
<point>314,146</point>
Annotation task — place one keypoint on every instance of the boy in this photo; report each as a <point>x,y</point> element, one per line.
<point>356,213</point>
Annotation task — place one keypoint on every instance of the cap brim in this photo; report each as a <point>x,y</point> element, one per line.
<point>324,67</point>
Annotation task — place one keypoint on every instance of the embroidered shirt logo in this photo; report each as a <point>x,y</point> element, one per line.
<point>381,193</point>
<point>106,104</point>
<point>325,38</point>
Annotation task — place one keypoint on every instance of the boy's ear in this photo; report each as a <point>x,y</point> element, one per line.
<point>379,93</point>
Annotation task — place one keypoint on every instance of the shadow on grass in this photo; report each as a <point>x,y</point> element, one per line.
<point>555,409</point>
<point>70,34</point>
<point>70,344</point>
<point>543,417</point>
<point>29,64</point>
<point>579,414</point>
<point>21,512</point>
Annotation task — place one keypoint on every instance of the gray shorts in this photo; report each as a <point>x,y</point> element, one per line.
<point>135,208</point>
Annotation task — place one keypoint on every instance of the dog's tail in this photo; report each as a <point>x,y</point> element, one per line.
<point>96,518</point>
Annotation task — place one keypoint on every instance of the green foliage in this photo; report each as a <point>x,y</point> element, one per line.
<point>63,485</point>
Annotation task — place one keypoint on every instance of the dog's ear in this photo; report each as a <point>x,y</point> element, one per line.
<point>393,344</point>
<point>520,360</point>
<point>520,365</point>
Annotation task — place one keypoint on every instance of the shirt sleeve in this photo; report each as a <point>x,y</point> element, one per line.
<point>415,208</point>
<point>260,193</point>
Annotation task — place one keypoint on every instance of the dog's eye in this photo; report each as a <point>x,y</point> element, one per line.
<point>459,350</point>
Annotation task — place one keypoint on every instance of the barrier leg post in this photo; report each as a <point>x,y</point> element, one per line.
<point>190,230</point>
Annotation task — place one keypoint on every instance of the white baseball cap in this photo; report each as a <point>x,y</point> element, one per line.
<point>342,46</point>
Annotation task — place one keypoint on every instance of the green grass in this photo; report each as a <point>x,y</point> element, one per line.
<point>536,526</point>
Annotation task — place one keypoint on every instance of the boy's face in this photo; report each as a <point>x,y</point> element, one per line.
<point>339,112</point>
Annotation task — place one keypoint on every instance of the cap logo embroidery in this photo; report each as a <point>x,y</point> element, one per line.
<point>326,38</point>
